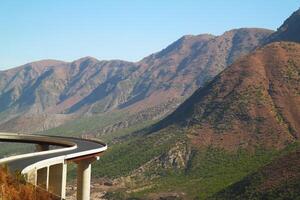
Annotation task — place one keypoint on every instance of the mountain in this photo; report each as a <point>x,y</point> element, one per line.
<point>240,111</point>
<point>278,180</point>
<point>254,102</point>
<point>39,95</point>
<point>289,31</point>
<point>192,61</point>
<point>54,86</point>
<point>45,94</point>
<point>228,129</point>
<point>224,140</point>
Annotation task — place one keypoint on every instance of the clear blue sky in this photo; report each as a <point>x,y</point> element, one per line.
<point>121,29</point>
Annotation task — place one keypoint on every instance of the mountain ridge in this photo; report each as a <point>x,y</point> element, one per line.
<point>212,105</point>
<point>87,86</point>
<point>288,31</point>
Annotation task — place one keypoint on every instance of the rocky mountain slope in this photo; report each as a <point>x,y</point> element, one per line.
<point>253,102</point>
<point>224,131</point>
<point>190,62</point>
<point>53,92</point>
<point>45,91</point>
<point>289,31</point>
<point>228,129</point>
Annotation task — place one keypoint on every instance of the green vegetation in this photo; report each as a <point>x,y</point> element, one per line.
<point>269,182</point>
<point>95,124</point>
<point>122,158</point>
<point>7,149</point>
<point>208,172</point>
<point>291,75</point>
<point>86,125</point>
<point>292,71</point>
<point>287,190</point>
<point>127,131</point>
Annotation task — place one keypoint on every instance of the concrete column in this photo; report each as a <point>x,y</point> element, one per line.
<point>58,179</point>
<point>83,179</point>
<point>41,147</point>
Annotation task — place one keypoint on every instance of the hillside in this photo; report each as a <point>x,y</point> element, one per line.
<point>45,94</point>
<point>208,117</point>
<point>280,180</point>
<point>289,31</point>
<point>225,131</point>
<point>228,130</point>
<point>38,95</point>
<point>253,102</point>
<point>190,62</point>
<point>14,187</point>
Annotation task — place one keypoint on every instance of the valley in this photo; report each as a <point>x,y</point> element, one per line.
<point>208,117</point>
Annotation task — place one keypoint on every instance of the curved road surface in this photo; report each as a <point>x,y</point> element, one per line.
<point>84,147</point>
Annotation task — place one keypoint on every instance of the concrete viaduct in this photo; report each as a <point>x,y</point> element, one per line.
<point>46,168</point>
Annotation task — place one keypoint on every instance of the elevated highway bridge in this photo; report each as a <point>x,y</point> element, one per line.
<point>47,168</point>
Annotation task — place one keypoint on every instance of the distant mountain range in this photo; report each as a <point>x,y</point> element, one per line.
<point>45,94</point>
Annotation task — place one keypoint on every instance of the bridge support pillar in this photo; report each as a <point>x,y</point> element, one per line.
<point>84,178</point>
<point>41,147</point>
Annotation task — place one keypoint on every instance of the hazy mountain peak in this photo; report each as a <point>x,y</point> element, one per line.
<point>249,29</point>
<point>185,37</point>
<point>44,63</point>
<point>86,59</point>
<point>183,43</point>
<point>202,36</point>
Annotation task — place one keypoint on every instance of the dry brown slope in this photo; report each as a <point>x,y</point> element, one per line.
<point>189,63</point>
<point>254,102</point>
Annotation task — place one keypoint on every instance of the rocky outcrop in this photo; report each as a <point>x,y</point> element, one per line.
<point>176,158</point>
